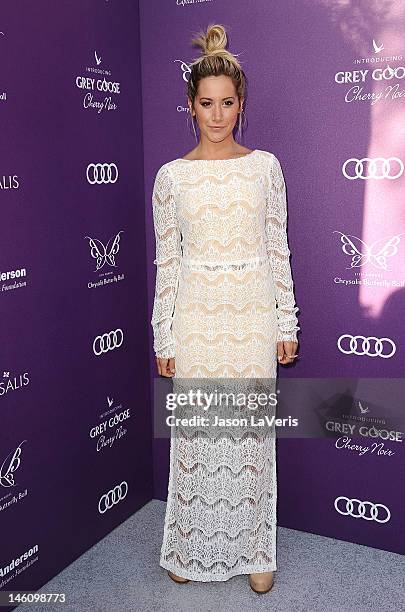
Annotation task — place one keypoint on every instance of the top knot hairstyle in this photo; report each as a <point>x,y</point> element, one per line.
<point>215,60</point>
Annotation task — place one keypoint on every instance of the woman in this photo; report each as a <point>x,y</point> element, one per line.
<point>224,308</point>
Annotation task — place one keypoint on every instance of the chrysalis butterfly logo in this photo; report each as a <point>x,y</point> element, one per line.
<point>185,68</point>
<point>10,464</point>
<point>104,254</point>
<point>377,253</point>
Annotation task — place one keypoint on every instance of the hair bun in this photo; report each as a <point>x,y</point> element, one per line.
<point>213,42</point>
<point>215,39</point>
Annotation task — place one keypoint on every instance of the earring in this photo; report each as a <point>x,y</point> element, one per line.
<point>195,133</point>
<point>240,123</point>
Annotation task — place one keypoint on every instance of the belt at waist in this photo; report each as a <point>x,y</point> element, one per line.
<point>224,266</point>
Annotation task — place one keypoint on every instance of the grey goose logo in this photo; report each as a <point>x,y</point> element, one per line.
<point>377,48</point>
<point>100,90</point>
<point>363,410</point>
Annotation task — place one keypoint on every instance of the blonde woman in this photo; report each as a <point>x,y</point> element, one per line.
<point>224,308</point>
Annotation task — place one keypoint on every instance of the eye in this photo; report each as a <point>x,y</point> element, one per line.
<point>227,103</point>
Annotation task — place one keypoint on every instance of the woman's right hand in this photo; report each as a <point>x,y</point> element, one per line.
<point>165,366</point>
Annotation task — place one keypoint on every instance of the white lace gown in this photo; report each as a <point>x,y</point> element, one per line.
<point>224,296</point>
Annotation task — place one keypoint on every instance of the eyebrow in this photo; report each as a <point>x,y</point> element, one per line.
<point>227,98</point>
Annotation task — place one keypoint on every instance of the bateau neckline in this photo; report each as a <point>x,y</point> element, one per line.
<point>219,160</point>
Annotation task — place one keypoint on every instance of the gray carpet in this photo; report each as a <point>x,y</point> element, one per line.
<point>122,572</point>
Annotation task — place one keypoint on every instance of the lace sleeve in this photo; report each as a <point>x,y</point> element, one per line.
<point>279,253</point>
<point>168,257</point>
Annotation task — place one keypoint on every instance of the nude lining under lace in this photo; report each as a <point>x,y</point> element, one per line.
<point>223,297</point>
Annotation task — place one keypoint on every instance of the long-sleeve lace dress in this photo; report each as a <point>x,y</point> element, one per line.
<point>224,296</point>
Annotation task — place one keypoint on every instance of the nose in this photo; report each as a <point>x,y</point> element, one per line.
<point>217,114</point>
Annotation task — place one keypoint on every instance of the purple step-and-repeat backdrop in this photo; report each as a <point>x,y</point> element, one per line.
<point>327,96</point>
<point>80,123</point>
<point>75,441</point>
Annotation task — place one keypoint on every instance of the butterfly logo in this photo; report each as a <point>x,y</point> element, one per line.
<point>377,253</point>
<point>185,68</point>
<point>10,464</point>
<point>110,401</point>
<point>104,254</point>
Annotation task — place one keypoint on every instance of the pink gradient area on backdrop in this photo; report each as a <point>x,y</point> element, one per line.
<point>384,210</point>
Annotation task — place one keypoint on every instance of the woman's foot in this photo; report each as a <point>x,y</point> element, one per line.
<point>261,583</point>
<point>177,578</point>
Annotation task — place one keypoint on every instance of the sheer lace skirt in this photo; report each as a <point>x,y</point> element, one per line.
<point>221,508</point>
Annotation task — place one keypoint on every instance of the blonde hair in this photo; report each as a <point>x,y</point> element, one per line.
<point>215,60</point>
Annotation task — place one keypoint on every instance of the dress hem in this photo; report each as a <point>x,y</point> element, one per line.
<point>253,569</point>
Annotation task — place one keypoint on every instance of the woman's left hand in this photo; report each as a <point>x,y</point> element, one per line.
<point>287,351</point>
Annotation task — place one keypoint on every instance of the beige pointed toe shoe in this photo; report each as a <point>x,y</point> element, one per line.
<point>261,583</point>
<point>176,578</point>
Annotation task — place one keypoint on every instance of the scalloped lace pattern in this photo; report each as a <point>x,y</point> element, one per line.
<point>215,220</point>
<point>223,298</point>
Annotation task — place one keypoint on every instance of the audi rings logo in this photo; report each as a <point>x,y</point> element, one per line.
<point>362,509</point>
<point>108,341</point>
<point>110,499</point>
<point>371,346</point>
<point>102,173</point>
<point>368,168</point>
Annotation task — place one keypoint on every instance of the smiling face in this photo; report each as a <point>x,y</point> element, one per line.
<point>216,107</point>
